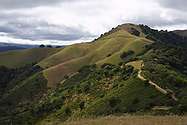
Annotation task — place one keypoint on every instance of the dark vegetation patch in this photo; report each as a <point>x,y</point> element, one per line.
<point>163,36</point>
<point>166,65</point>
<point>133,31</point>
<point>21,88</point>
<point>127,54</point>
<point>9,77</point>
<point>95,91</point>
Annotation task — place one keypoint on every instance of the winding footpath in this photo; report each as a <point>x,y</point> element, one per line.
<point>157,87</point>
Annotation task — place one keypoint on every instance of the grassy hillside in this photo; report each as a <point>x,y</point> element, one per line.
<point>104,77</point>
<point>18,58</point>
<point>68,53</point>
<point>104,50</point>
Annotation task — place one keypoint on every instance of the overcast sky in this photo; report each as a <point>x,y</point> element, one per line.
<point>71,21</point>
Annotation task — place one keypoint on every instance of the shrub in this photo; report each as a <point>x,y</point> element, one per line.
<point>113,102</point>
<point>82,105</point>
<point>66,77</point>
<point>126,54</point>
<point>67,111</point>
<point>120,64</point>
<point>107,66</point>
<point>134,32</point>
<point>109,55</point>
<point>135,101</point>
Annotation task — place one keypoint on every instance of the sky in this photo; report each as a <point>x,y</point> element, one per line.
<point>64,22</point>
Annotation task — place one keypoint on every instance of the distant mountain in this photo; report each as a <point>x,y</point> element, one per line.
<point>130,69</point>
<point>11,46</point>
<point>7,48</point>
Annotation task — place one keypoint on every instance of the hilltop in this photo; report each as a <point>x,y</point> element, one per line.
<point>100,78</point>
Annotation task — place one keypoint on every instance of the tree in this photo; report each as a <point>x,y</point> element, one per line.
<point>113,102</point>
<point>42,46</point>
<point>135,32</point>
<point>66,77</point>
<point>82,105</point>
<point>126,54</point>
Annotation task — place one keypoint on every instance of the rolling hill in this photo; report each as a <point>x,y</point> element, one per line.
<point>100,78</point>
<point>18,58</point>
<point>106,49</point>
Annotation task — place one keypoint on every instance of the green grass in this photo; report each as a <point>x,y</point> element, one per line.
<point>72,58</point>
<point>92,91</point>
<point>60,62</point>
<point>18,58</point>
<point>68,53</point>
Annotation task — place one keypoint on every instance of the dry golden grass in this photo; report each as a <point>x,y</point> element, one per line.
<point>132,120</point>
<point>136,64</point>
<point>72,58</point>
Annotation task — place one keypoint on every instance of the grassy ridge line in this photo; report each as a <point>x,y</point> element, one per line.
<point>113,44</point>
<point>78,50</point>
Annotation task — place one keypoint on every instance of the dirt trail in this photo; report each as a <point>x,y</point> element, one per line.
<point>157,87</point>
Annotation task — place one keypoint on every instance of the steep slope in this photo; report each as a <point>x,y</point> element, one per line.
<point>18,58</point>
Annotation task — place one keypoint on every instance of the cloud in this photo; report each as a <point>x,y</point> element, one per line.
<point>14,4</point>
<point>77,20</point>
<point>43,31</point>
<point>174,4</point>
